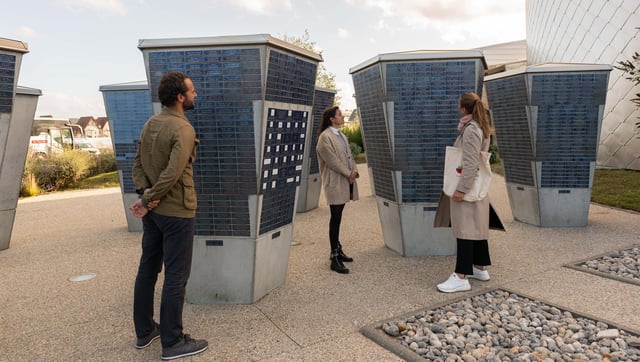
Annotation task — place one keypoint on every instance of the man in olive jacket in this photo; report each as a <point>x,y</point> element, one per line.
<point>163,176</point>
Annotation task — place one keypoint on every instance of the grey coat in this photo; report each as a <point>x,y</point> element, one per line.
<point>468,220</point>
<point>334,168</point>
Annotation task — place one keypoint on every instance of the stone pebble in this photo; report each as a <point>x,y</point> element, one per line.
<point>622,263</point>
<point>503,326</point>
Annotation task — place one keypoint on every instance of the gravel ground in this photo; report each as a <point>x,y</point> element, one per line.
<point>502,326</point>
<point>624,264</point>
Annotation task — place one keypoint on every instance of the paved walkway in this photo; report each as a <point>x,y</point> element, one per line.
<point>316,316</point>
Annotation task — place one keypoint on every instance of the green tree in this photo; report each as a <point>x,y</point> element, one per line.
<point>632,69</point>
<point>324,78</point>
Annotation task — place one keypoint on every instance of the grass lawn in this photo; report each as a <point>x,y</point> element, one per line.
<point>617,188</point>
<point>108,179</point>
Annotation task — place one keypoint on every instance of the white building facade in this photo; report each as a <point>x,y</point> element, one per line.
<point>600,32</point>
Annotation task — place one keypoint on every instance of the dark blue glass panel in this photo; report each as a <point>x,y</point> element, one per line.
<point>321,101</point>
<point>370,97</point>
<point>127,112</point>
<point>568,106</point>
<point>290,79</point>
<point>7,82</point>
<point>227,81</point>
<point>425,111</point>
<point>508,100</point>
<point>282,166</point>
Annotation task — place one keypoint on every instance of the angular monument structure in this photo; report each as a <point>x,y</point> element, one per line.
<point>547,120</point>
<point>408,104</point>
<point>128,107</point>
<point>17,109</point>
<point>255,98</point>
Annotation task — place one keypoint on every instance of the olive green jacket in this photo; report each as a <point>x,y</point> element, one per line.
<point>164,163</point>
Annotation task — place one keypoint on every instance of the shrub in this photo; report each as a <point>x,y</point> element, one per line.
<point>355,149</point>
<point>354,135</point>
<point>29,185</point>
<point>62,170</point>
<point>495,156</point>
<point>103,163</point>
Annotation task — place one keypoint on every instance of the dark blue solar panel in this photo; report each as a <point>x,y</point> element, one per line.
<point>564,111</point>
<point>425,112</point>
<point>7,82</point>
<point>127,112</point>
<point>568,107</point>
<point>370,97</point>
<point>508,100</point>
<point>322,100</point>
<point>282,166</point>
<point>227,81</point>
<point>290,79</point>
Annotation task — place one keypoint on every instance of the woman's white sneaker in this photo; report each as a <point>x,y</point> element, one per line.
<point>454,284</point>
<point>479,274</point>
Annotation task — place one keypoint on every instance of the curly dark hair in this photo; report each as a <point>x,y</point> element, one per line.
<point>170,86</point>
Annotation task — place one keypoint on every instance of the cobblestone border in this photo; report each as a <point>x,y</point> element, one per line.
<point>577,265</point>
<point>375,332</point>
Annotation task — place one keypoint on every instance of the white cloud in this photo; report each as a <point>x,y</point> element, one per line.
<point>59,104</point>
<point>346,95</point>
<point>113,6</point>
<point>457,21</point>
<point>26,32</point>
<point>262,7</point>
<point>343,33</point>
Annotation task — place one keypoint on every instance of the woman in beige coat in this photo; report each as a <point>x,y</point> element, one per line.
<point>339,172</point>
<point>470,221</point>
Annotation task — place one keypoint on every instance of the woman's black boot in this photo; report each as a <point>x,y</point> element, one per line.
<point>336,264</point>
<point>342,256</point>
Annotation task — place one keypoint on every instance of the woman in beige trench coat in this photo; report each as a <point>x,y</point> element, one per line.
<point>469,221</point>
<point>339,172</point>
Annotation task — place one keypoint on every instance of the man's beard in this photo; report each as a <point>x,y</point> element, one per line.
<point>188,105</point>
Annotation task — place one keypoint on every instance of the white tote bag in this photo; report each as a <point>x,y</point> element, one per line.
<point>453,170</point>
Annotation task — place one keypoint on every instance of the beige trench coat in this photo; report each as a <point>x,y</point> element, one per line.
<point>334,168</point>
<point>468,220</point>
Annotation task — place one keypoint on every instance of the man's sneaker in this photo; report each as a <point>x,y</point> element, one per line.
<point>186,347</point>
<point>454,284</point>
<point>479,274</point>
<point>145,341</point>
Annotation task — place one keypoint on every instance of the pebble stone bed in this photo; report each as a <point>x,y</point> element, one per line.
<point>502,326</point>
<point>623,264</point>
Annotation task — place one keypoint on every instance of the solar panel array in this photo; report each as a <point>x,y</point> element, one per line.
<point>423,99</point>
<point>127,110</point>
<point>560,131</point>
<point>228,82</point>
<point>7,81</point>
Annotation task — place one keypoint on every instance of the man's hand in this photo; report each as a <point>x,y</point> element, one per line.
<point>138,210</point>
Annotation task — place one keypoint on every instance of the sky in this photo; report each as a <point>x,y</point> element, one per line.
<point>75,46</point>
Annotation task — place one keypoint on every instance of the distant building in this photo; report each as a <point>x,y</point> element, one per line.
<point>95,127</point>
<point>103,124</point>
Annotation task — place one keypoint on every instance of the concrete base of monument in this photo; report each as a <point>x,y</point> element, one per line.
<point>6,226</point>
<point>237,270</point>
<point>134,224</point>
<point>408,229</point>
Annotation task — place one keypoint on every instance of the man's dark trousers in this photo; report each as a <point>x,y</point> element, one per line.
<point>170,239</point>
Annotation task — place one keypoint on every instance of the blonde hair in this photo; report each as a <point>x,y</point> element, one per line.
<point>474,106</point>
